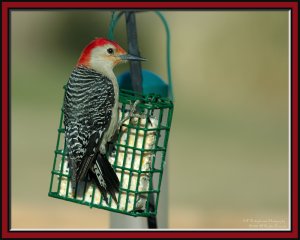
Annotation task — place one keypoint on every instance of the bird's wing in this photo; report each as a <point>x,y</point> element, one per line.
<point>87,117</point>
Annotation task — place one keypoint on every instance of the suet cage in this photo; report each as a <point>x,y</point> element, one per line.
<point>138,158</point>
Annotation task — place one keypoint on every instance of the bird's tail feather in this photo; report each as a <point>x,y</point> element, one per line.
<point>105,177</point>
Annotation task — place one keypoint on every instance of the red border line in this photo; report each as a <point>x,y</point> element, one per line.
<point>156,234</point>
<point>4,120</point>
<point>175,5</point>
<point>178,5</point>
<point>294,90</point>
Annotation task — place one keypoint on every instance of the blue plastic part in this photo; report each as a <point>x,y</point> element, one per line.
<point>152,83</point>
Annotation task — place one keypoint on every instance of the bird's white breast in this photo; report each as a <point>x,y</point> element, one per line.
<point>112,128</point>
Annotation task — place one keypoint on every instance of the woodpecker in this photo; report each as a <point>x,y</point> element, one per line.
<point>91,114</point>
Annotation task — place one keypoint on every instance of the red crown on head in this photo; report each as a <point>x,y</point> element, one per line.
<point>98,42</point>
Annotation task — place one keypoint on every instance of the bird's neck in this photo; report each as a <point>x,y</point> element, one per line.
<point>103,67</point>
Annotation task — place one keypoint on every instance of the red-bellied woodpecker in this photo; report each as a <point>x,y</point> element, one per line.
<point>91,114</point>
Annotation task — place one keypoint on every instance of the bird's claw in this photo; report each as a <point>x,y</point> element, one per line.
<point>132,113</point>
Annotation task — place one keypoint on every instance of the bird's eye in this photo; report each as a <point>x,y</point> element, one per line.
<point>110,50</point>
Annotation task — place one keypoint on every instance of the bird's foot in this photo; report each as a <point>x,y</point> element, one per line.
<point>132,113</point>
<point>111,147</point>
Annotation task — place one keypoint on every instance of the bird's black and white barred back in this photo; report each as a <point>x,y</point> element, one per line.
<point>88,105</point>
<point>91,113</point>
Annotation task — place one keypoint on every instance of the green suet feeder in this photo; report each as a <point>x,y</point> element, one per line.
<point>139,157</point>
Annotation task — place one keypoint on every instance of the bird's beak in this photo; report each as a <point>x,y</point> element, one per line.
<point>130,57</point>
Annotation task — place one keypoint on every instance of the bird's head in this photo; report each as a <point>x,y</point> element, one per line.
<point>103,55</point>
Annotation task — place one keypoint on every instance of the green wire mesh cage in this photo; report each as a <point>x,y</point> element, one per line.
<point>138,159</point>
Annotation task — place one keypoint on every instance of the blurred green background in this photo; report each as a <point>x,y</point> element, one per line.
<point>228,150</point>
